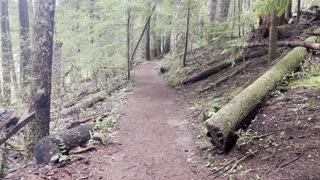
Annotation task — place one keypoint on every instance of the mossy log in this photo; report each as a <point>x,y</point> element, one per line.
<point>226,78</point>
<point>84,104</point>
<point>232,116</point>
<point>62,142</point>
<point>223,65</point>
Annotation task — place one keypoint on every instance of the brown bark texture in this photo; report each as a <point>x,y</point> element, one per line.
<point>43,30</point>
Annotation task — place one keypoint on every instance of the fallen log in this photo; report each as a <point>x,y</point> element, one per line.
<point>223,125</point>
<point>226,78</point>
<point>62,143</point>
<point>224,65</point>
<point>86,119</point>
<point>290,44</point>
<point>84,104</point>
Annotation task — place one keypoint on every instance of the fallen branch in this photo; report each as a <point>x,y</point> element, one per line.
<point>22,123</point>
<point>291,161</point>
<point>224,65</point>
<point>80,150</point>
<point>290,44</point>
<point>226,78</point>
<point>235,114</point>
<point>242,159</point>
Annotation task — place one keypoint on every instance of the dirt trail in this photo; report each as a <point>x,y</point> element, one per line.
<point>155,140</point>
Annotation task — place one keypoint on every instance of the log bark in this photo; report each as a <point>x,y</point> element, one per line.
<point>223,125</point>
<point>224,65</point>
<point>290,44</point>
<point>62,143</point>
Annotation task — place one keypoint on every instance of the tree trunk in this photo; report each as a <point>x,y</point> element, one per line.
<point>141,36</point>
<point>148,55</point>
<point>288,13</point>
<point>187,35</point>
<point>62,143</point>
<point>232,116</point>
<point>298,11</point>
<point>167,43</point>
<point>57,69</point>
<point>273,38</point>
<point>43,30</point>
<point>212,14</point>
<point>222,10</point>
<point>5,58</point>
<point>25,51</point>
<point>154,51</point>
<point>7,54</point>
<point>128,45</point>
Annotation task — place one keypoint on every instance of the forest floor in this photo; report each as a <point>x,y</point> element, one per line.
<point>155,140</point>
<point>161,134</point>
<point>283,140</point>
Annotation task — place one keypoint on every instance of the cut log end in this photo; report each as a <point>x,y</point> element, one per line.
<point>223,142</point>
<point>45,149</point>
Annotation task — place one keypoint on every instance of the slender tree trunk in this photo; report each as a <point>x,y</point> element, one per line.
<point>147,53</point>
<point>288,14</point>
<point>141,36</point>
<point>222,10</point>
<point>273,47</point>
<point>239,17</point>
<point>154,51</point>
<point>167,43</point>
<point>92,17</point>
<point>187,34</point>
<point>128,43</point>
<point>7,54</point>
<point>212,14</point>
<point>298,10</point>
<point>25,51</point>
<point>57,69</point>
<point>30,9</point>
<point>43,30</point>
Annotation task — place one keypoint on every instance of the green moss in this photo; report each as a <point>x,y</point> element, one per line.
<point>309,82</point>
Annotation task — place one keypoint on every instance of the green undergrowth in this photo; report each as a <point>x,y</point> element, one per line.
<point>309,77</point>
